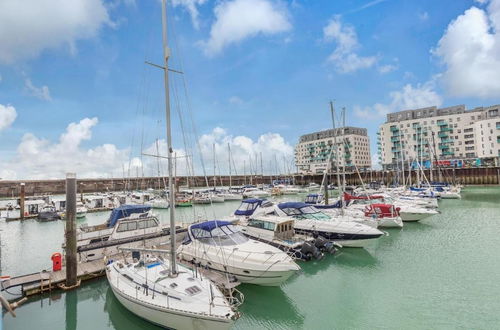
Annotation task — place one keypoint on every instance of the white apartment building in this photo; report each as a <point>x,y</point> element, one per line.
<point>313,150</point>
<point>452,134</point>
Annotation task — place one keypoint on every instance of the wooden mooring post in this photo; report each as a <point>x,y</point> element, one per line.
<point>22,196</point>
<point>71,255</point>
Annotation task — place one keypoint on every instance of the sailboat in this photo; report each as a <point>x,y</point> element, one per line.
<point>162,291</point>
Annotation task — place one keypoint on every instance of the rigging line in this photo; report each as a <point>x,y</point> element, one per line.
<point>186,140</point>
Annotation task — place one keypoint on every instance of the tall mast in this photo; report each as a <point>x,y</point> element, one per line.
<point>158,164</point>
<point>215,179</point>
<point>229,151</point>
<point>344,158</point>
<point>166,55</point>
<point>332,110</point>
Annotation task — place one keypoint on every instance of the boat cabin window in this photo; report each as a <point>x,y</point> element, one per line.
<point>126,226</point>
<point>147,224</point>
<point>261,224</point>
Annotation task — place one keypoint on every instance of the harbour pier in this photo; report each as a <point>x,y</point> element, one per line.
<point>469,176</point>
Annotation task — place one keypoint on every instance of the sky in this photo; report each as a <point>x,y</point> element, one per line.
<point>77,96</point>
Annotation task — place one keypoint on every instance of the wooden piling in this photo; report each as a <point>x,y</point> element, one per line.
<point>21,200</point>
<point>71,256</point>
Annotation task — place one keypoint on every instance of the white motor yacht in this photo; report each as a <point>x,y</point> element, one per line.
<point>255,193</point>
<point>310,221</point>
<point>220,246</point>
<point>127,226</point>
<point>81,210</point>
<point>158,203</point>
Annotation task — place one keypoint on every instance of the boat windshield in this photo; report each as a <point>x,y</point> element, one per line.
<point>222,236</point>
<point>290,211</point>
<point>308,210</point>
<point>246,207</point>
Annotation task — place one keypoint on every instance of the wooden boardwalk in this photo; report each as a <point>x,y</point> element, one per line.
<point>43,281</point>
<point>37,283</point>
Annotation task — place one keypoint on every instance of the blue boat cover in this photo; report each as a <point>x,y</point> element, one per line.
<point>312,195</point>
<point>210,225</point>
<point>417,189</point>
<point>125,211</point>
<point>292,205</point>
<point>248,211</point>
<point>337,205</point>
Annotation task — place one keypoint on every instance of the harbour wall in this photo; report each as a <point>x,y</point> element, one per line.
<point>480,175</point>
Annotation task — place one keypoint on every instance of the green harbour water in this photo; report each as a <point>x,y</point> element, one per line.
<point>442,273</point>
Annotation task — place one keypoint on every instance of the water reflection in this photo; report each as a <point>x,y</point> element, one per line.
<point>71,302</point>
<point>355,258</point>
<point>122,318</point>
<point>268,307</point>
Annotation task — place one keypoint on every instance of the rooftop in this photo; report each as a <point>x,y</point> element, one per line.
<point>348,130</point>
<point>490,112</point>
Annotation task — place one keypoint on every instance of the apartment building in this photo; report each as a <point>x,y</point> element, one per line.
<point>313,151</point>
<point>453,134</point>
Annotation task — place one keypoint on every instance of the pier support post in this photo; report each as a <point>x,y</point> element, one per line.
<point>71,265</point>
<point>22,197</point>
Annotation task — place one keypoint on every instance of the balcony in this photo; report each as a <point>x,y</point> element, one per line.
<point>446,129</point>
<point>395,138</point>
<point>442,123</point>
<point>443,134</point>
<point>447,153</point>
<point>394,129</point>
<point>443,147</point>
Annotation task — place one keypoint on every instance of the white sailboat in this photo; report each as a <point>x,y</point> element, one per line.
<point>161,291</point>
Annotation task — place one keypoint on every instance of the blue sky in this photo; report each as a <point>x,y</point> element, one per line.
<point>253,67</point>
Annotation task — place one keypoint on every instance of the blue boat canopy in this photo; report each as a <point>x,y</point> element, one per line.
<point>417,189</point>
<point>337,205</point>
<point>313,195</point>
<point>125,211</point>
<point>292,205</point>
<point>210,225</point>
<point>248,206</point>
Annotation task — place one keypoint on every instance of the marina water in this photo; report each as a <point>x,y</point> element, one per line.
<point>441,273</point>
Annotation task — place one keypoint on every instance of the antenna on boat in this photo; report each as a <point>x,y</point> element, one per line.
<point>166,55</point>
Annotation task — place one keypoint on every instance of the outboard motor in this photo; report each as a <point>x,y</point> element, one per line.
<point>309,251</point>
<point>324,245</point>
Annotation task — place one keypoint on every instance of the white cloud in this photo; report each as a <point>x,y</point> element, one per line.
<point>1,78</point>
<point>235,100</point>
<point>43,92</point>
<point>237,20</point>
<point>344,57</point>
<point>409,97</point>
<point>7,116</point>
<point>470,51</point>
<point>29,27</point>
<point>245,154</point>
<point>192,7</point>
<point>383,69</point>
<point>39,158</point>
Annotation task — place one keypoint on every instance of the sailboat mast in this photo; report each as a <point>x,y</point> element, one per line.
<point>335,131</point>
<point>229,152</point>
<point>166,55</point>
<point>215,179</point>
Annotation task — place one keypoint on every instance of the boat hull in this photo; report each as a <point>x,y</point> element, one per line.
<point>391,222</point>
<point>257,277</point>
<point>168,318</point>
